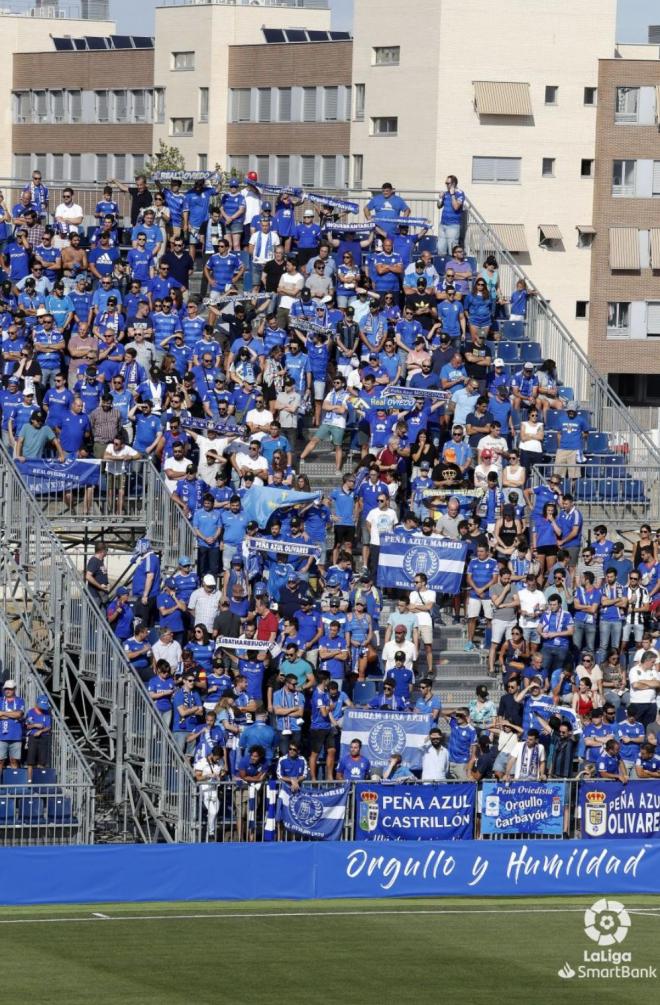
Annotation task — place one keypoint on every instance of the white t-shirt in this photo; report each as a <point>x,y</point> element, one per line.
<point>264,246</point>
<point>173,465</point>
<point>170,652</point>
<point>295,281</point>
<point>525,760</point>
<point>257,464</point>
<point>260,418</point>
<point>70,212</point>
<point>530,429</point>
<point>435,763</point>
<point>648,694</point>
<point>207,471</point>
<point>423,597</point>
<point>381,521</point>
<point>118,465</point>
<point>392,647</point>
<point>529,601</point>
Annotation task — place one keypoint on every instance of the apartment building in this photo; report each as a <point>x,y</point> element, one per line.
<point>506,99</point>
<point>624,315</point>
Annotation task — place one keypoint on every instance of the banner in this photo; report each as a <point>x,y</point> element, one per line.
<point>326,200</point>
<point>386,733</point>
<point>282,547</point>
<point>183,176</point>
<point>614,810</point>
<point>418,392</point>
<point>313,812</point>
<point>402,221</point>
<point>279,189</point>
<point>349,228</point>
<point>228,642</point>
<point>228,428</point>
<point>237,298</point>
<point>393,402</point>
<point>260,502</point>
<point>386,812</point>
<point>44,478</point>
<point>523,808</point>
<point>401,558</point>
<point>303,325</point>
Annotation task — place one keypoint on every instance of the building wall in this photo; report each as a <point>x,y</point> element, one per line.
<point>209,31</point>
<point>634,355</point>
<point>29,35</point>
<point>90,70</point>
<point>554,43</point>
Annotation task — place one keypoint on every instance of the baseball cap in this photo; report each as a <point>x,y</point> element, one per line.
<point>42,702</point>
<point>266,207</point>
<point>260,589</point>
<point>292,577</point>
<point>233,183</point>
<point>13,380</point>
<point>308,212</point>
<point>498,362</point>
<point>169,583</point>
<point>399,628</point>
<point>209,580</point>
<point>425,465</point>
<point>124,591</point>
<point>184,560</point>
<point>8,683</point>
<point>419,262</point>
<point>528,366</point>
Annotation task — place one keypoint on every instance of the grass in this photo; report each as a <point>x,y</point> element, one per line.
<point>357,952</point>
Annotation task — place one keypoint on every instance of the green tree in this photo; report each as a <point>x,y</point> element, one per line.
<point>166,158</point>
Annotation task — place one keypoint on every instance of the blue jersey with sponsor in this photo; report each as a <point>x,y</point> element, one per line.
<point>461,740</point>
<point>354,768</point>
<point>482,571</point>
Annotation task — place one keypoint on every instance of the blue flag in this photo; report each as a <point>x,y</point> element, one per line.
<point>611,809</point>
<point>45,478</point>
<point>440,812</point>
<point>523,808</point>
<point>260,503</point>
<point>386,733</point>
<point>403,556</point>
<point>314,811</point>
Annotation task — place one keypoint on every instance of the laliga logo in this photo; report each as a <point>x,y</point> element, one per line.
<point>606,922</point>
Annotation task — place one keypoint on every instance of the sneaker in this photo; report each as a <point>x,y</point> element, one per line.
<point>468,647</point>
<point>456,620</point>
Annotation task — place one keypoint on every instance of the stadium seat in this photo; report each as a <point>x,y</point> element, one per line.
<point>513,331</point>
<point>16,777</point>
<point>440,262</point>
<point>609,490</point>
<point>554,420</point>
<point>428,243</point>
<point>632,490</point>
<point>58,810</point>
<point>508,351</point>
<point>598,443</point>
<point>530,352</point>
<point>44,776</point>
<point>472,262</point>
<point>588,490</point>
<point>567,392</point>
<point>585,413</point>
<point>550,443</point>
<point>31,809</point>
<point>7,810</point>
<point>364,691</point>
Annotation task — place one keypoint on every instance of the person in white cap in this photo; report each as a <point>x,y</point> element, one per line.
<point>205,601</point>
<point>12,713</point>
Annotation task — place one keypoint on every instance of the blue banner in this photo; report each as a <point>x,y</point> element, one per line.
<point>97,874</point>
<point>523,808</point>
<point>402,557</point>
<point>386,733</point>
<point>45,478</point>
<point>259,503</point>
<point>318,199</point>
<point>313,812</point>
<point>614,810</point>
<point>414,812</point>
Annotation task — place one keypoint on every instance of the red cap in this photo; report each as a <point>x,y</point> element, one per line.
<point>400,628</point>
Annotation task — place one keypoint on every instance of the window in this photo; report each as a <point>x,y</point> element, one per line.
<point>284,104</point>
<point>21,165</point>
<point>548,167</point>
<point>138,163</point>
<point>75,106</point>
<point>626,108</point>
<point>181,127</point>
<point>39,106</point>
<point>75,167</point>
<point>101,167</point>
<point>653,319</point>
<point>120,166</point>
<point>618,318</point>
<point>240,104</point>
<point>139,106</point>
<point>57,173</point>
<point>586,167</point>
<point>348,97</point>
<point>358,168</point>
<point>57,105</point>
<point>581,308</point>
<point>22,106</point>
<point>586,234</point>
<point>387,55</point>
<point>102,106</point>
<point>385,126</point>
<point>120,101</point>
<point>359,102</point>
<point>551,94</point>
<point>330,103</point>
<point>655,185</point>
<point>329,172</point>
<point>202,162</point>
<point>309,104</point>
<point>263,167</point>
<point>623,178</point>
<point>346,172</point>
<point>590,95</point>
<point>159,105</point>
<point>183,60</point>
<point>263,104</point>
<point>283,170</point>
<point>503,170</point>
<point>308,169</point>
<point>203,104</point>
<point>41,164</point>
<point>239,165</point>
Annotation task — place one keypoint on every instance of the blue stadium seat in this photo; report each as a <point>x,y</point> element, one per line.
<point>472,262</point>
<point>440,262</point>
<point>428,243</point>
<point>598,443</point>
<point>508,351</point>
<point>609,490</point>
<point>44,776</point>
<point>530,352</point>
<point>632,490</point>
<point>585,413</point>
<point>7,810</point>
<point>550,442</point>
<point>513,331</point>
<point>554,420</point>
<point>364,691</point>
<point>31,809</point>
<point>58,810</point>
<point>567,392</point>
<point>588,490</point>
<point>15,777</point>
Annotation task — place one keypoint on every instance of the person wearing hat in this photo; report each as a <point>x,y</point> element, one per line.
<point>524,387</point>
<point>38,727</point>
<point>306,237</point>
<point>388,206</point>
<point>120,614</point>
<point>12,714</point>
<point>204,602</point>
<point>34,437</point>
<point>573,435</point>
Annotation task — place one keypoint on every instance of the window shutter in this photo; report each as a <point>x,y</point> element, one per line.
<point>331,103</point>
<point>653,319</point>
<point>309,104</point>
<point>284,105</point>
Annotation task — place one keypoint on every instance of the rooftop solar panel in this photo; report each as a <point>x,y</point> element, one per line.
<point>273,35</point>
<point>63,44</point>
<point>96,42</point>
<point>296,35</point>
<point>318,36</point>
<point>79,44</point>
<point>121,41</point>
<point>143,42</point>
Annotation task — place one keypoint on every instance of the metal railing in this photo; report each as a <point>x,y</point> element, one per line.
<point>606,491</point>
<point>54,619</point>
<point>62,813</point>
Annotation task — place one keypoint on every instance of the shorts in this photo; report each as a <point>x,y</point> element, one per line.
<point>10,748</point>
<point>531,635</point>
<point>566,464</point>
<point>344,534</point>
<point>426,634</point>
<point>333,433</point>
<point>38,751</point>
<point>547,549</point>
<point>475,606</point>
<point>319,389</point>
<point>214,296</point>
<point>500,762</point>
<point>636,631</point>
<point>228,552</point>
<point>481,329</point>
<point>500,630</point>
<point>459,771</point>
<point>321,739</point>
<point>235,227</point>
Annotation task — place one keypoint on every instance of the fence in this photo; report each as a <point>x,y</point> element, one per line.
<point>245,813</point>
<point>55,620</point>
<point>61,811</point>
<point>623,493</point>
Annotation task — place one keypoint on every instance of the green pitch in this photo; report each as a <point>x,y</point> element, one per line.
<point>298,953</point>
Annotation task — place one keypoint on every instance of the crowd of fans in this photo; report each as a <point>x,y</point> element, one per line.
<point>304,322</point>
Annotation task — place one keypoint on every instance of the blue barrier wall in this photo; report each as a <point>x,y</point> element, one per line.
<point>325,870</point>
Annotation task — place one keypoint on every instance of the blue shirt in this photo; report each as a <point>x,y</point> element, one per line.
<point>389,281</point>
<point>260,734</point>
<point>593,754</point>
<point>559,621</point>
<point>388,209</point>
<point>482,571</point>
<point>429,705</point>
<point>292,767</point>
<point>625,731</point>
<point>253,670</point>
<point>185,721</point>
<point>149,563</point>
<point>450,313</point>
<point>223,268</point>
<point>320,700</point>
<point>207,523</point>
<point>571,433</point>
<point>461,740</point>
<point>449,216</point>
<point>610,763</point>
<point>354,768</point>
<point>157,684</point>
<point>73,432</point>
<point>11,729</point>
<point>344,504</point>
<point>402,678</point>
<point>174,619</point>
<point>567,521</point>
<point>197,206</point>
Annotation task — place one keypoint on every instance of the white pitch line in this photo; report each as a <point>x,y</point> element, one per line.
<point>97,914</point>
<point>295,914</point>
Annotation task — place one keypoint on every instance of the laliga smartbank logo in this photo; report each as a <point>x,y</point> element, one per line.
<point>607,923</point>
